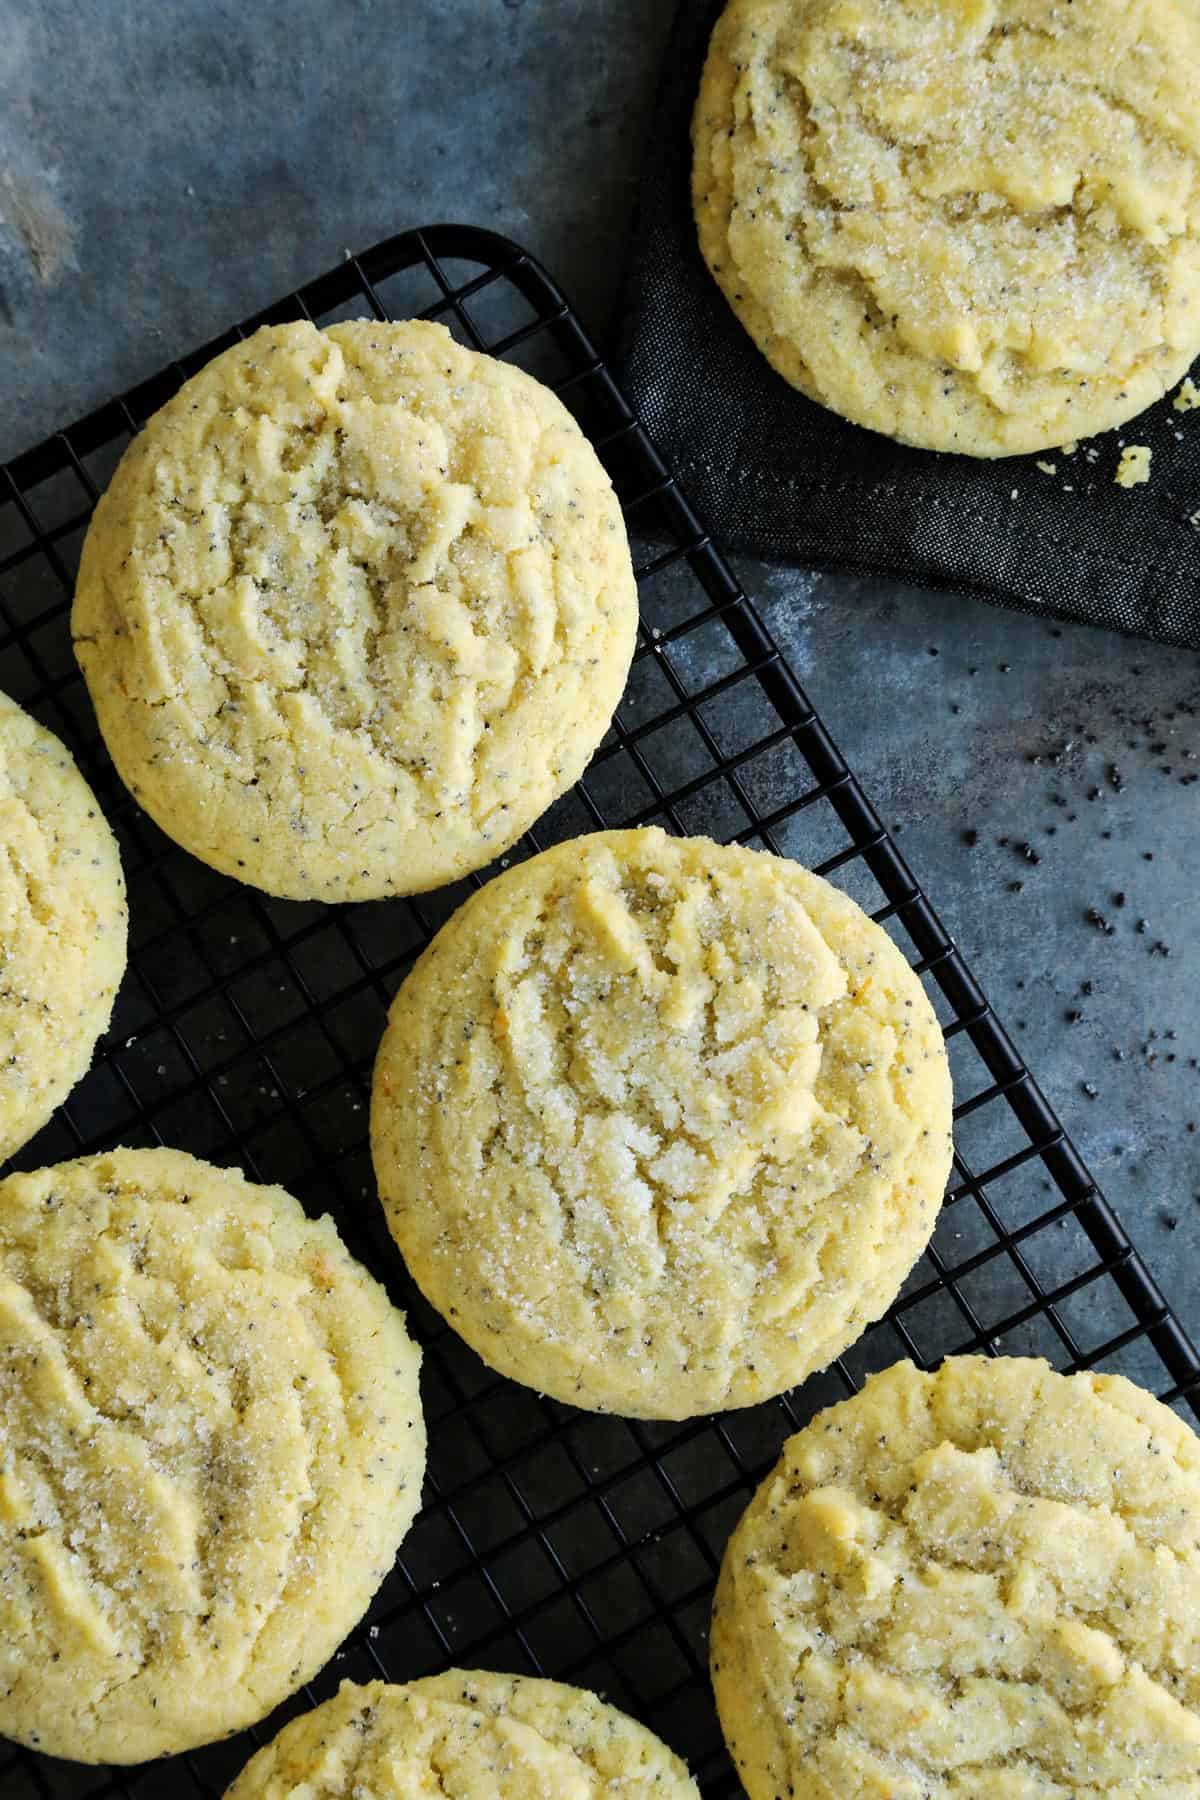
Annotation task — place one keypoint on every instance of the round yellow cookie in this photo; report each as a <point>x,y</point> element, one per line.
<point>211,1445</point>
<point>660,1125</point>
<point>465,1735</point>
<point>981,1584</point>
<point>62,925</point>
<point>973,225</point>
<point>356,608</point>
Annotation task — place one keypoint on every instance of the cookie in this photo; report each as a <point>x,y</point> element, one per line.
<point>465,1735</point>
<point>357,606</point>
<point>211,1445</point>
<point>63,925</point>
<point>982,1584</point>
<point>660,1125</point>
<point>973,227</point>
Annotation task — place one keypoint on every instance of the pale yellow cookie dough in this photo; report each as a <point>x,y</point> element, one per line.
<point>211,1445</point>
<point>465,1735</point>
<point>981,1584</point>
<point>973,225</point>
<point>659,1125</point>
<point>62,925</point>
<point>356,608</point>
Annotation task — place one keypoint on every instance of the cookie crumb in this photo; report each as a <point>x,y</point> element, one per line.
<point>1134,467</point>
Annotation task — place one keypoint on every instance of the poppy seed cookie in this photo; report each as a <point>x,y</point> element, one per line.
<point>973,227</point>
<point>211,1445</point>
<point>63,923</point>
<point>356,607</point>
<point>465,1735</point>
<point>660,1125</point>
<point>978,1584</point>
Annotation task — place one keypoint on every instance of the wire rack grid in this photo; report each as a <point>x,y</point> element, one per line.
<point>572,1545</point>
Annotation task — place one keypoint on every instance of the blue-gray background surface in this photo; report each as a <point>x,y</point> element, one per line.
<point>165,169</point>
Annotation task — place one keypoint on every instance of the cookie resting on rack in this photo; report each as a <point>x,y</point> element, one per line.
<point>465,1735</point>
<point>659,1125</point>
<point>211,1445</point>
<point>972,226</point>
<point>356,608</point>
<point>63,925</point>
<point>980,1584</point>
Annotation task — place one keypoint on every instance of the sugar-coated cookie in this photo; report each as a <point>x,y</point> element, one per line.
<point>660,1125</point>
<point>356,607</point>
<point>980,1584</point>
<point>63,925</point>
<point>211,1445</point>
<point>973,226</point>
<point>465,1735</point>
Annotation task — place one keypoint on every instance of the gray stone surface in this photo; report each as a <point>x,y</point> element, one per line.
<point>960,719</point>
<point>166,169</point>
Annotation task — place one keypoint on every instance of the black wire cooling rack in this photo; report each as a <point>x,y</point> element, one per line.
<point>551,1541</point>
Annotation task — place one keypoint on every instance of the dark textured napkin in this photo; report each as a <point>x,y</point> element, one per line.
<point>778,477</point>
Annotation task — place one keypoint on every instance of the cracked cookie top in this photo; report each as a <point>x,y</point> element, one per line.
<point>973,225</point>
<point>356,608</point>
<point>211,1444</point>
<point>980,1584</point>
<point>63,924</point>
<point>660,1125</point>
<point>465,1735</point>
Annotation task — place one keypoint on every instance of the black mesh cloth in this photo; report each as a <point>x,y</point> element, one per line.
<point>778,477</point>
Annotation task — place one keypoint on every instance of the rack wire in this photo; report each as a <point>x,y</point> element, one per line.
<point>551,1541</point>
